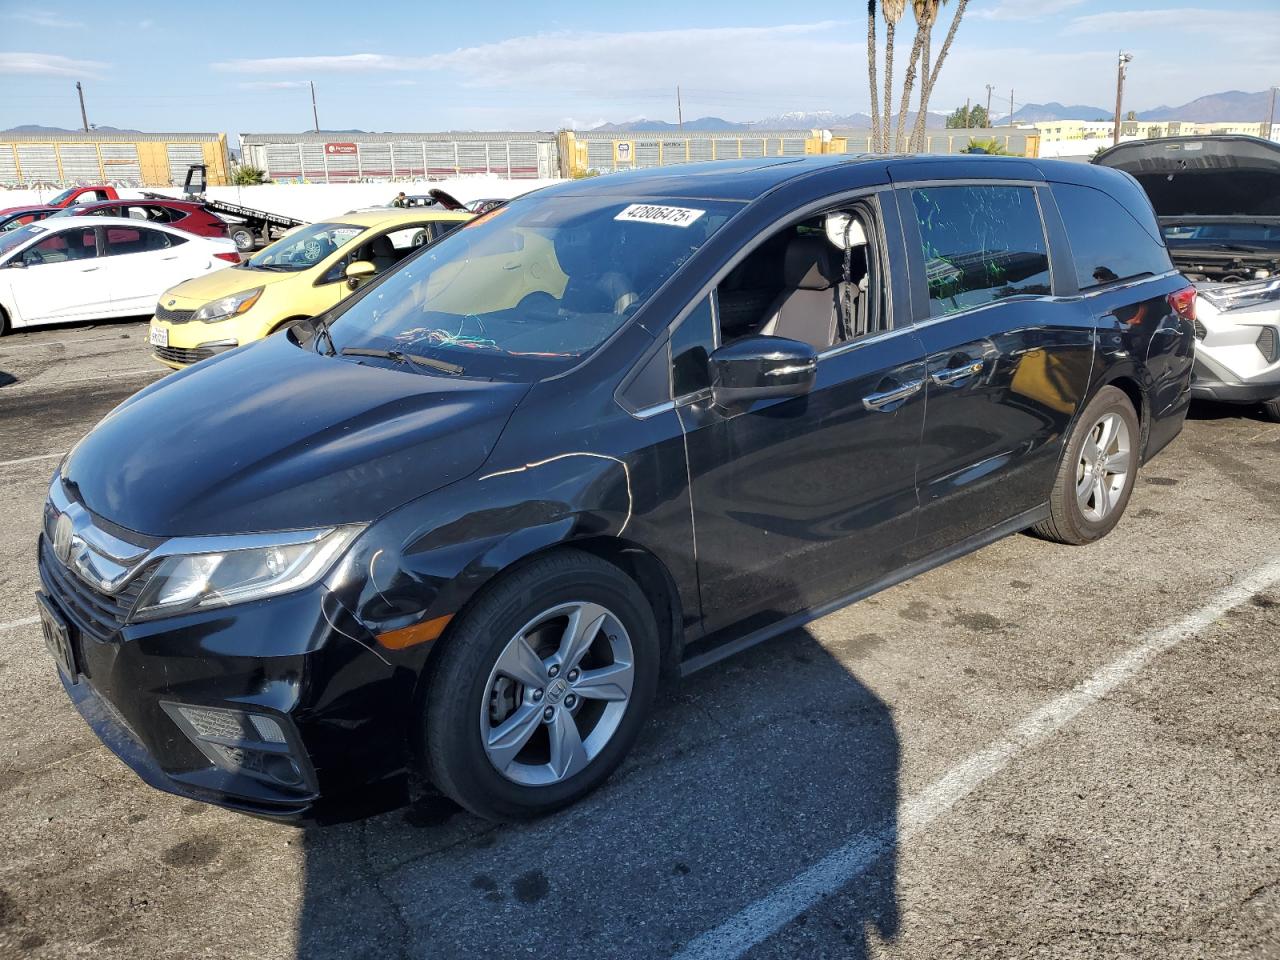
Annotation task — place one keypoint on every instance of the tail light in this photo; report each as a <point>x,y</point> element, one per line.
<point>229,257</point>
<point>1183,303</point>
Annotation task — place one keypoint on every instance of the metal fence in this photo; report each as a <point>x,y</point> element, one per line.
<point>326,158</point>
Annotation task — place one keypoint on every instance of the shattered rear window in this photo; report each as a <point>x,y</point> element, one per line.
<point>980,244</point>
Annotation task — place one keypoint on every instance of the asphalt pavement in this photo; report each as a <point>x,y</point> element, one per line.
<point>1035,751</point>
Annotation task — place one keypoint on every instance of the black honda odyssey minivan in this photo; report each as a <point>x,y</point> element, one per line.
<point>463,525</point>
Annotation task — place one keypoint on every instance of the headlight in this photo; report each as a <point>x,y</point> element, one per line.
<point>231,306</point>
<point>1231,296</point>
<point>219,571</point>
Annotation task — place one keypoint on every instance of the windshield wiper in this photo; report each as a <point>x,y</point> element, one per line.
<point>396,356</point>
<point>284,267</point>
<point>321,328</point>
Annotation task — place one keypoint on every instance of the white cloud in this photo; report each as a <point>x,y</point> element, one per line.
<point>49,65</point>
<point>38,18</point>
<point>346,63</point>
<point>1020,10</point>
<point>272,84</point>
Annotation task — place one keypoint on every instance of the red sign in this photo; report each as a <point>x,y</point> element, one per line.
<point>340,149</point>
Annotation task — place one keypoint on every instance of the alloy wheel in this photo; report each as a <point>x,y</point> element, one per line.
<point>1103,470</point>
<point>557,694</point>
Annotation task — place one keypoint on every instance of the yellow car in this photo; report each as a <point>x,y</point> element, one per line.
<point>300,275</point>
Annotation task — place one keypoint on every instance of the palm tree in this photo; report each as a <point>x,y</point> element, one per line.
<point>926,12</point>
<point>899,140</point>
<point>872,55</point>
<point>929,78</point>
<point>892,10</point>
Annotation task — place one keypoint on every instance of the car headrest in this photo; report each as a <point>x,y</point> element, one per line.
<point>809,264</point>
<point>382,247</point>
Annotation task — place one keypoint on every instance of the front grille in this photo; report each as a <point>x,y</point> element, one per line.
<point>1269,344</point>
<point>97,614</point>
<point>173,316</point>
<point>182,354</point>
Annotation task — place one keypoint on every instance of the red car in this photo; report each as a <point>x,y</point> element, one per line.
<point>182,214</point>
<point>11,218</point>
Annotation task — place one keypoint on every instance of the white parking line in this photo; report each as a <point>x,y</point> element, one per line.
<point>19,623</point>
<point>760,920</point>
<point>42,384</point>
<point>42,456</point>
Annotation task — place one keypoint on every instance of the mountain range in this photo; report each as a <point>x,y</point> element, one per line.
<point>1214,107</point>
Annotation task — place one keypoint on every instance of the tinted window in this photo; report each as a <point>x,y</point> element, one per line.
<point>121,240</point>
<point>1107,243</point>
<point>980,244</point>
<point>690,348</point>
<point>61,247</point>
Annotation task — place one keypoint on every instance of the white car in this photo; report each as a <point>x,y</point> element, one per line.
<point>63,270</point>
<point>1218,201</point>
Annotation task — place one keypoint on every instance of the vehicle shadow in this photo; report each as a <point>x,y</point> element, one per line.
<point>748,773</point>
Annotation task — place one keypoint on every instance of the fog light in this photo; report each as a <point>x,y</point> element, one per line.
<point>253,744</point>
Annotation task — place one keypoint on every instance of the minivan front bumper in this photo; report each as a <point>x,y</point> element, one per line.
<point>176,700</point>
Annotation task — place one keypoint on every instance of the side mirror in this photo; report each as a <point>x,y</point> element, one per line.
<point>360,270</point>
<point>760,368</point>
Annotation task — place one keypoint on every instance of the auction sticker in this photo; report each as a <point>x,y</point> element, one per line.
<point>653,213</point>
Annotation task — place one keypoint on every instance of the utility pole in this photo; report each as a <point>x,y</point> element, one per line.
<point>1011,106</point>
<point>989,89</point>
<point>1124,60</point>
<point>314,115</point>
<point>84,117</point>
<point>1271,115</point>
<point>679,110</point>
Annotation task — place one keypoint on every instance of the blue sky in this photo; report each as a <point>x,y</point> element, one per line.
<point>243,67</point>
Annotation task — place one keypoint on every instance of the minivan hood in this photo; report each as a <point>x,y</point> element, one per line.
<point>1201,177</point>
<point>275,437</point>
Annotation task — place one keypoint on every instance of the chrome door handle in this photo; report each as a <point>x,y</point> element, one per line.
<point>952,375</point>
<point>87,269</point>
<point>174,257</point>
<point>878,401</point>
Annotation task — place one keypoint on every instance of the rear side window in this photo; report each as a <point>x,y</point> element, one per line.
<point>980,244</point>
<point>124,240</point>
<point>1107,243</point>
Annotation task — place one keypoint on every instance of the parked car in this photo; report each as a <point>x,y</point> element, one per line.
<point>67,269</point>
<point>464,521</point>
<point>14,217</point>
<point>1218,201</point>
<point>181,214</point>
<point>300,275</point>
<point>74,195</point>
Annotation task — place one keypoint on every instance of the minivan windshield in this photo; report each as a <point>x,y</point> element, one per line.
<point>529,287</point>
<point>304,248</point>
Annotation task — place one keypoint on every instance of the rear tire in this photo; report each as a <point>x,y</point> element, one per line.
<point>5,326</point>
<point>243,238</point>
<point>1271,409</point>
<point>541,688</point>
<point>1097,473</point>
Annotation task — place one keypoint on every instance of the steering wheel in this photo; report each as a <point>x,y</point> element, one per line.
<point>537,304</point>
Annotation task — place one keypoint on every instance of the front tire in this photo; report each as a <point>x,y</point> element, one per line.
<point>1271,409</point>
<point>542,688</point>
<point>1097,473</point>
